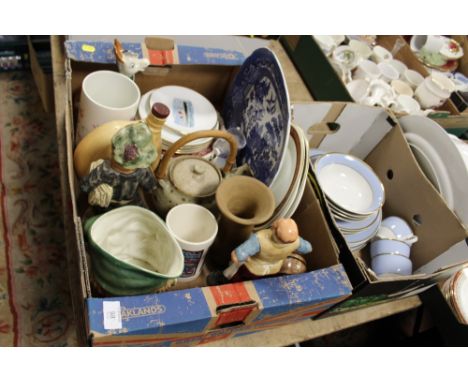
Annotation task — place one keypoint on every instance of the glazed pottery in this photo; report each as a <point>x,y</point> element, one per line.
<point>380,94</point>
<point>367,70</point>
<point>405,104</point>
<point>190,179</point>
<point>258,102</point>
<point>412,78</point>
<point>380,54</point>
<point>358,89</point>
<point>105,96</point>
<point>379,247</point>
<point>326,43</point>
<point>434,90</point>
<point>402,88</point>
<point>129,63</point>
<point>244,202</point>
<point>293,265</point>
<point>346,57</point>
<point>362,49</point>
<point>388,72</point>
<point>398,65</point>
<point>195,229</point>
<point>132,252</point>
<point>391,264</point>
<point>431,43</point>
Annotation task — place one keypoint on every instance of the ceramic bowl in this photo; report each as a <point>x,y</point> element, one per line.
<point>350,183</point>
<point>380,54</point>
<point>398,226</point>
<point>380,247</point>
<point>391,264</point>
<point>132,251</point>
<point>398,65</point>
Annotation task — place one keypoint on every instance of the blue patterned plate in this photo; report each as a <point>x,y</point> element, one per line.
<point>258,102</point>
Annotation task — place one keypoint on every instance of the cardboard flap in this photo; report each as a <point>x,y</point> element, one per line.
<point>421,206</point>
<point>327,126</point>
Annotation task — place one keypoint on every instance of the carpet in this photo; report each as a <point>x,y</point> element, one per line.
<point>35,305</point>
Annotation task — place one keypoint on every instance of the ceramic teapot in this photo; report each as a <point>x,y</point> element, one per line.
<point>190,179</point>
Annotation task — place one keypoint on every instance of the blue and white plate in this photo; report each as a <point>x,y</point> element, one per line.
<point>258,102</point>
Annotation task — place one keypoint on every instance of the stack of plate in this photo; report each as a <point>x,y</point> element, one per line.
<point>190,112</point>
<point>354,193</point>
<point>288,187</point>
<point>443,160</point>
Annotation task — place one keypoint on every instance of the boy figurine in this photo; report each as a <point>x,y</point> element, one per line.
<point>113,183</point>
<point>263,253</point>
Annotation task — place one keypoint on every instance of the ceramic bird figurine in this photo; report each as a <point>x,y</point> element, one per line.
<point>264,253</point>
<point>128,62</point>
<point>115,182</point>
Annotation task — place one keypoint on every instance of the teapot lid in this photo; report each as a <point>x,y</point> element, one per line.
<point>194,176</point>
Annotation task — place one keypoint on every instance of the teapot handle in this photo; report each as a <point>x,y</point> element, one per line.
<point>161,171</point>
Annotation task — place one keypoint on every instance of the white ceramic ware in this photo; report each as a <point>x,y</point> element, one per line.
<point>434,90</point>
<point>326,43</point>
<point>367,70</point>
<point>350,183</point>
<point>426,166</point>
<point>380,54</point>
<point>398,65</point>
<point>380,94</point>
<point>345,56</point>
<point>451,49</point>
<point>362,49</point>
<point>431,43</point>
<point>391,264</point>
<point>412,78</point>
<point>402,88</point>
<point>106,96</point>
<point>462,148</point>
<point>440,141</point>
<point>195,228</point>
<point>358,89</point>
<point>405,104</point>
<point>388,72</point>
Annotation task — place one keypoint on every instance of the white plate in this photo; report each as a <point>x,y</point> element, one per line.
<point>438,138</point>
<point>425,165</point>
<point>462,148</point>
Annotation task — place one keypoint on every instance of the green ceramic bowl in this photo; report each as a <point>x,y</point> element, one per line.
<point>132,251</point>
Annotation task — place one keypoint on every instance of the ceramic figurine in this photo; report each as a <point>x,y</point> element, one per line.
<point>128,62</point>
<point>264,253</point>
<point>115,182</point>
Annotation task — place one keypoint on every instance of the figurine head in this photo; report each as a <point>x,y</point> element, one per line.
<point>132,146</point>
<point>286,230</point>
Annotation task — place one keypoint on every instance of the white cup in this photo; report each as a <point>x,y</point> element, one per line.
<point>399,66</point>
<point>412,78</point>
<point>434,91</point>
<point>195,228</point>
<point>380,54</point>
<point>430,44</point>
<point>358,89</point>
<point>380,94</point>
<point>402,88</point>
<point>406,105</point>
<point>388,72</point>
<point>361,48</point>
<point>367,70</point>
<point>106,96</point>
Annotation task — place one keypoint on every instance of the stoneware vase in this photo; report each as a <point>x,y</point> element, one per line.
<point>243,202</point>
<point>133,253</point>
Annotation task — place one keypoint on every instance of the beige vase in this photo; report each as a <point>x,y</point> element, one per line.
<point>244,202</point>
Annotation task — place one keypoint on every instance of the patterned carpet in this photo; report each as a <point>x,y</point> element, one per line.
<point>35,307</point>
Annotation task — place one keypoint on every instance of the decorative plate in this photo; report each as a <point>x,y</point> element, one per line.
<point>258,102</point>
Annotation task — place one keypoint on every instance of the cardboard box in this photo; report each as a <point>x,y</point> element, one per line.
<point>43,80</point>
<point>322,80</point>
<point>373,135</point>
<point>198,315</point>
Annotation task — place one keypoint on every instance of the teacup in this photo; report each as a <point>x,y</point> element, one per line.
<point>398,65</point>
<point>394,227</point>
<point>406,105</point>
<point>326,43</point>
<point>380,54</point>
<point>388,72</point>
<point>346,57</point>
<point>412,78</point>
<point>430,44</point>
<point>379,247</point>
<point>358,89</point>
<point>391,264</point>
<point>362,50</point>
<point>195,228</point>
<point>106,96</point>
<point>402,88</point>
<point>367,70</point>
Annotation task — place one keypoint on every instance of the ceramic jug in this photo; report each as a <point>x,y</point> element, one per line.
<point>188,178</point>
